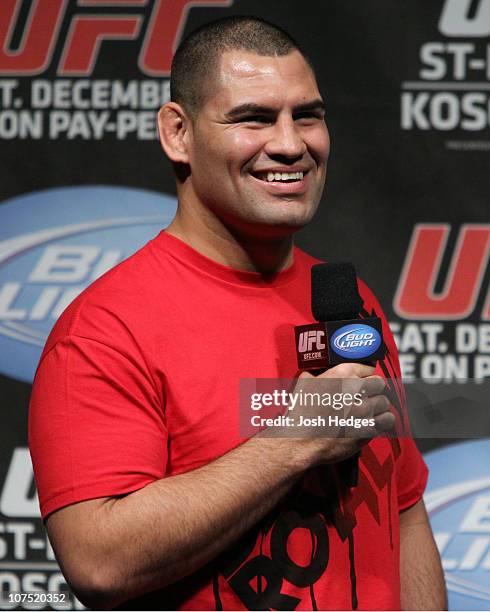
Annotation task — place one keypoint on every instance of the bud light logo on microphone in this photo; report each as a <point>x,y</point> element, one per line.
<point>355,341</point>
<point>53,244</point>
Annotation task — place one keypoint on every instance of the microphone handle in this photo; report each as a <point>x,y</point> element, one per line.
<point>349,470</point>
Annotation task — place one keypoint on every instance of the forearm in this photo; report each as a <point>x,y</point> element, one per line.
<point>159,534</point>
<point>421,574</point>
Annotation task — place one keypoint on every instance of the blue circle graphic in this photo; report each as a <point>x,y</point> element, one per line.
<point>99,225</point>
<point>458,503</point>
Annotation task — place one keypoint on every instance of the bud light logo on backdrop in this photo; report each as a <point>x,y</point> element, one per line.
<point>458,502</point>
<point>53,244</point>
<point>355,341</point>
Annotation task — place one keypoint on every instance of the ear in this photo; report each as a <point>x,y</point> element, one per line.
<point>173,127</point>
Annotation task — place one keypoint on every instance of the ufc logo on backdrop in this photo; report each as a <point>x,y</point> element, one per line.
<point>456,20</point>
<point>311,340</point>
<point>415,297</point>
<point>88,29</point>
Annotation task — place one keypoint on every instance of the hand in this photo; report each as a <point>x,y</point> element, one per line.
<point>334,442</point>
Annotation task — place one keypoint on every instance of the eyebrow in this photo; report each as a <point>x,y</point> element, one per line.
<point>250,107</point>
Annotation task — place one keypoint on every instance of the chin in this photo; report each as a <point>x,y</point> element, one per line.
<point>274,228</point>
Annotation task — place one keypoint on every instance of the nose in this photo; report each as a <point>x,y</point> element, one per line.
<point>285,140</point>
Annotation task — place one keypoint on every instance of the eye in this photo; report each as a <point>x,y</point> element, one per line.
<point>255,119</point>
<point>309,117</point>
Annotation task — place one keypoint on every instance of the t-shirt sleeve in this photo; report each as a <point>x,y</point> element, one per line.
<point>411,470</point>
<point>411,474</point>
<point>96,422</point>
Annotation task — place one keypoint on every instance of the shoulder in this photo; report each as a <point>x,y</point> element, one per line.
<point>305,259</point>
<point>372,308</point>
<point>115,301</point>
<point>370,301</point>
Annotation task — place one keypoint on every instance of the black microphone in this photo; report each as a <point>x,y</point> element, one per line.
<point>334,292</point>
<point>340,336</point>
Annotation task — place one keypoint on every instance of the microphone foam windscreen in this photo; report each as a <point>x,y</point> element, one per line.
<point>334,292</point>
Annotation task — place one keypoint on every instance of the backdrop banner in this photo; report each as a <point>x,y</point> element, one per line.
<point>84,183</point>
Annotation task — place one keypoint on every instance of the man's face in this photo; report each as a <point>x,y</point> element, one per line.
<point>259,145</point>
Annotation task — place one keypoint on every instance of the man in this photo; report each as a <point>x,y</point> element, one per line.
<point>151,497</point>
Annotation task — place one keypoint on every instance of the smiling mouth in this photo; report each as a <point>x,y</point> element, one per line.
<point>283,177</point>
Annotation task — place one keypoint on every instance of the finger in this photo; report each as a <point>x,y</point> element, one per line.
<point>306,374</point>
<point>385,422</point>
<point>373,424</point>
<point>349,370</point>
<point>373,385</point>
<point>379,404</point>
<point>372,407</point>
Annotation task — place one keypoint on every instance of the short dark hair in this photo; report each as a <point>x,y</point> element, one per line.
<point>199,54</point>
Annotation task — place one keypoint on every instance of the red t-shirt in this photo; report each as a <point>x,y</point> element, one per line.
<point>139,380</point>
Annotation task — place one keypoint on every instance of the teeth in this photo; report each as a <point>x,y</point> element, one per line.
<point>283,176</point>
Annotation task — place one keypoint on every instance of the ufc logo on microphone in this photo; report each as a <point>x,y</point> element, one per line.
<point>311,340</point>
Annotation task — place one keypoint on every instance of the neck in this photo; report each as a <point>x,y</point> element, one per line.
<point>198,227</point>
